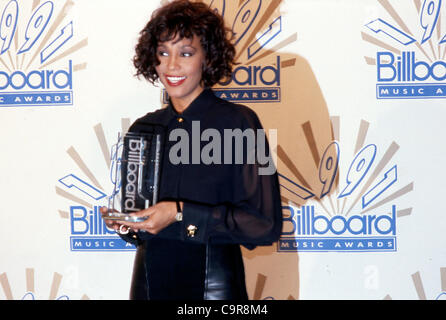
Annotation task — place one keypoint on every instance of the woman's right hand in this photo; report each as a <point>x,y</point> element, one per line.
<point>112,224</point>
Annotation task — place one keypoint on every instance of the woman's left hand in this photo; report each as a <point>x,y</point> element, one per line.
<point>159,216</point>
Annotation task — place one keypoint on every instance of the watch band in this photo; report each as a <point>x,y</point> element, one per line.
<point>179,215</point>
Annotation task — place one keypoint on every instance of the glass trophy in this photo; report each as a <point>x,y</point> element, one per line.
<point>136,167</point>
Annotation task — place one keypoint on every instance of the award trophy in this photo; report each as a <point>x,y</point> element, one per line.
<point>136,172</point>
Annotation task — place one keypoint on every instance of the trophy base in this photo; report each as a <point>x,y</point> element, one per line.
<point>118,216</point>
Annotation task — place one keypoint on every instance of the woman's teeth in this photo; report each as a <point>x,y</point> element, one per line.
<point>175,79</point>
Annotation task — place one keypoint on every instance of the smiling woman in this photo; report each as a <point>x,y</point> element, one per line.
<point>189,242</point>
<point>180,70</point>
<point>187,22</point>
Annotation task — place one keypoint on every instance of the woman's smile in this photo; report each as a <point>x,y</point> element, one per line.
<point>175,80</point>
<point>180,69</point>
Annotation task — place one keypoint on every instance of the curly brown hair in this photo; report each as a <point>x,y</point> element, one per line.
<point>185,19</point>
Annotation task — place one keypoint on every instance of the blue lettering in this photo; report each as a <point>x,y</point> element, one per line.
<point>289,219</point>
<point>78,219</point>
<point>254,75</point>
<point>45,79</point>
<point>315,220</point>
<point>426,67</point>
<point>305,221</point>
<point>406,68</point>
<point>361,222</point>
<point>382,65</point>
<point>40,76</point>
<point>66,79</point>
<point>83,221</point>
<point>343,223</point>
<point>22,80</point>
<point>391,221</point>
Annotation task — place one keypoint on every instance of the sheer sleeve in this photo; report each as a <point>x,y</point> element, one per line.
<point>254,216</point>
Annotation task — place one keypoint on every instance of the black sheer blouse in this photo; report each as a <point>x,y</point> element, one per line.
<point>226,200</point>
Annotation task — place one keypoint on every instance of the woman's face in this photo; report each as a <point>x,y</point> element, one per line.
<point>180,69</point>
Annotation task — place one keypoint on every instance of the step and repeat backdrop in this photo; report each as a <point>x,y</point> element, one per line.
<point>355,90</point>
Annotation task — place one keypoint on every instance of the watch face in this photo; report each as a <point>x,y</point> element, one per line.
<point>179,216</point>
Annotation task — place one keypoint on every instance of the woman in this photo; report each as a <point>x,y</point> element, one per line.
<point>189,247</point>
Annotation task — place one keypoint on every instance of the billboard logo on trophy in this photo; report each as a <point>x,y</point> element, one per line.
<point>86,194</point>
<point>133,166</point>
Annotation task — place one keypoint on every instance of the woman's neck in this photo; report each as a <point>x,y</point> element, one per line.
<point>181,104</point>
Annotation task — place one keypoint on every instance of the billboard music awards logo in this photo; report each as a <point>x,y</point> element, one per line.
<point>88,231</point>
<point>252,81</point>
<point>410,52</point>
<point>355,211</point>
<point>35,42</point>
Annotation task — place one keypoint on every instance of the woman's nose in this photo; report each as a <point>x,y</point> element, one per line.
<point>172,63</point>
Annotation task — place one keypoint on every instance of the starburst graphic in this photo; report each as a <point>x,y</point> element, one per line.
<point>419,287</point>
<point>259,38</point>
<point>93,189</point>
<point>350,192</point>
<point>260,286</point>
<point>249,22</point>
<point>409,49</point>
<point>47,39</point>
<point>30,287</point>
<point>37,44</point>
<point>332,202</point>
<point>428,38</point>
<point>87,194</point>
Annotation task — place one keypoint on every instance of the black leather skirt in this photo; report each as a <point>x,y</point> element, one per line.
<point>219,275</point>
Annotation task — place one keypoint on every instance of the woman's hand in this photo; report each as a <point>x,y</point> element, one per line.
<point>159,216</point>
<point>112,224</point>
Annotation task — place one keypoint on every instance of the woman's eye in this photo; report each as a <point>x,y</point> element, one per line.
<point>162,53</point>
<point>187,54</point>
